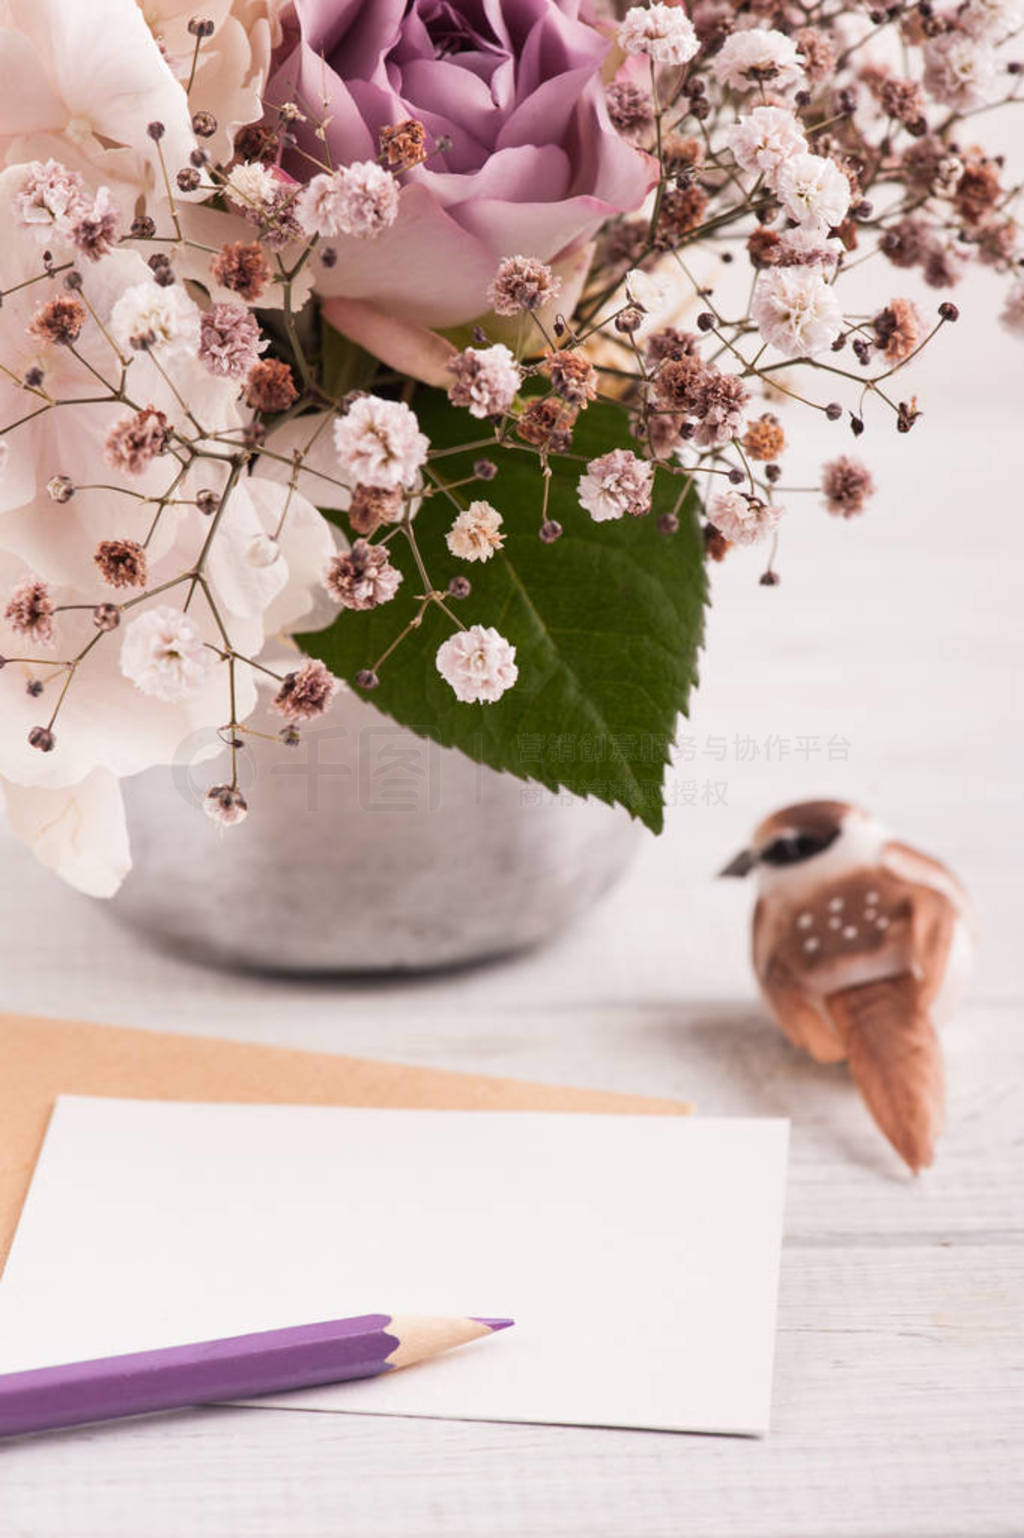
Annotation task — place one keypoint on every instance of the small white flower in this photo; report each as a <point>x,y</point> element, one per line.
<point>959,72</point>
<point>756,57</point>
<point>763,141</point>
<point>743,520</point>
<point>156,319</point>
<point>359,200</point>
<point>813,191</point>
<point>990,21</point>
<point>663,32</point>
<point>478,663</point>
<point>225,804</point>
<point>163,654</point>
<point>616,483</point>
<point>1012,316</point>
<point>796,311</point>
<point>379,443</point>
<point>476,532</point>
<point>251,186</point>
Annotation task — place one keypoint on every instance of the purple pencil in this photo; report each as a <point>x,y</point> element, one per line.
<point>240,1367</point>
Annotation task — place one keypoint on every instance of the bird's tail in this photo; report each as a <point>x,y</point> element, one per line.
<point>896,1062</point>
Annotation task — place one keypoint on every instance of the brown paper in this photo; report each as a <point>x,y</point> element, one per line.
<point>41,1059</point>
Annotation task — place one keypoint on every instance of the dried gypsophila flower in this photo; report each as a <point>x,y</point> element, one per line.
<point>764,438</point>
<point>270,386</point>
<point>241,266</point>
<point>847,484</point>
<point>122,562</point>
<point>360,200</point>
<point>522,284</point>
<point>229,340</point>
<point>403,145</point>
<point>379,443</point>
<point>135,440</point>
<point>373,505</point>
<point>363,578</point>
<point>305,693</point>
<point>163,654</point>
<point>662,32</point>
<point>615,484</point>
<point>225,804</point>
<point>572,376</point>
<point>485,380</point>
<point>630,109</point>
<point>479,664</point>
<point>743,519</point>
<point>547,424</point>
<point>58,321</point>
<point>30,610</point>
<point>682,211</point>
<point>97,230</point>
<point>476,532</point>
<point>898,330</point>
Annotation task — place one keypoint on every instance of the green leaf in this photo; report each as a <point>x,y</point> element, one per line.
<point>606,622</point>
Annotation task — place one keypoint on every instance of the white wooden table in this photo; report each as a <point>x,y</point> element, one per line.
<point>899,1400</point>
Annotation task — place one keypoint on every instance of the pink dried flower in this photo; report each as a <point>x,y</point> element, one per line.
<point>243,267</point>
<point>135,440</point>
<point>479,664</point>
<point>1012,315</point>
<point>630,109</point>
<point>164,656</point>
<point>50,199</point>
<point>270,386</point>
<point>305,693</point>
<point>225,804</point>
<point>616,483</point>
<point>476,532</point>
<point>847,484</point>
<point>359,200</point>
<point>58,321</point>
<point>122,562</point>
<point>486,380</point>
<point>97,229</point>
<point>743,520</point>
<point>522,283</point>
<point>572,376</point>
<point>662,32</point>
<point>372,506</point>
<point>363,578</point>
<point>757,57</point>
<point>379,443</point>
<point>898,329</point>
<point>30,611</point>
<point>229,340</point>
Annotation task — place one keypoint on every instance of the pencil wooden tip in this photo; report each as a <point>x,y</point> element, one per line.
<point>420,1338</point>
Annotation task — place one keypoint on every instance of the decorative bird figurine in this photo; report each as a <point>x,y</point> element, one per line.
<point>860,944</point>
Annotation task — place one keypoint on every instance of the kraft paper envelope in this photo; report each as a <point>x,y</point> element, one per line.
<point>41,1059</point>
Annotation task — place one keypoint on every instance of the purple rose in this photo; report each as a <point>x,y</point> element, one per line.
<point>533,166</point>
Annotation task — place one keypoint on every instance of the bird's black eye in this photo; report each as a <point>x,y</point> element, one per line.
<point>791,848</point>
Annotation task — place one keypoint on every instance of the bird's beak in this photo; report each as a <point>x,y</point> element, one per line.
<point>741,865</point>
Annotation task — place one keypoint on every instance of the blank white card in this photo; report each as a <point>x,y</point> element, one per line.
<point>638,1254</point>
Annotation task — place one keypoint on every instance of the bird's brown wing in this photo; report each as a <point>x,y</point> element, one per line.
<point>896,1061</point>
<point>795,1012</point>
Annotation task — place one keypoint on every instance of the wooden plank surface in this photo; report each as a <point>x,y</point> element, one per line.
<point>899,1403</point>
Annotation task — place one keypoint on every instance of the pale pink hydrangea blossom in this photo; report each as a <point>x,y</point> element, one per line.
<point>478,663</point>
<point>764,140</point>
<point>379,443</point>
<point>616,483</point>
<point>663,32</point>
<point>743,520</point>
<point>359,200</point>
<point>163,654</point>
<point>796,311</point>
<point>486,380</point>
<point>476,532</point>
<point>813,191</point>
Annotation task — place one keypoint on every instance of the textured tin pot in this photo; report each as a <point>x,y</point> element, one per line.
<point>366,848</point>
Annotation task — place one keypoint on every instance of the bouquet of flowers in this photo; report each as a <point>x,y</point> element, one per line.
<point>435,346</point>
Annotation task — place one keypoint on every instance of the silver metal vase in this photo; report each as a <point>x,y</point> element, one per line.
<point>366,849</point>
